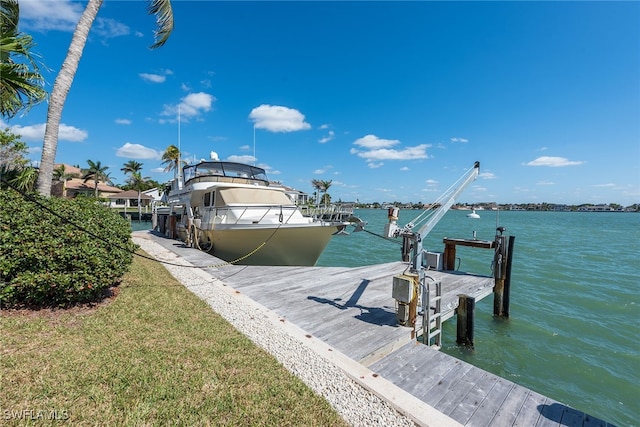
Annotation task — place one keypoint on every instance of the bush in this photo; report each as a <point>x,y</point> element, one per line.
<point>45,261</point>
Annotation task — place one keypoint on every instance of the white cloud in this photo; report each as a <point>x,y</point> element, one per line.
<point>373,165</point>
<point>242,159</point>
<point>372,142</point>
<point>487,175</point>
<point>409,153</point>
<point>109,28</point>
<point>604,185</point>
<point>546,183</point>
<point>137,151</point>
<point>192,105</point>
<point>378,149</point>
<point>327,138</point>
<point>276,118</point>
<point>123,121</point>
<point>404,168</point>
<point>60,15</point>
<point>553,162</point>
<point>431,182</point>
<point>153,78</point>
<point>463,140</point>
<point>36,132</point>
<point>63,15</point>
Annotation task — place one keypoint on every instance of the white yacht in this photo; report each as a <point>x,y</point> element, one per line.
<point>473,214</point>
<point>230,211</point>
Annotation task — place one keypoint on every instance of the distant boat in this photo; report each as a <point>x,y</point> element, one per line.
<point>473,214</point>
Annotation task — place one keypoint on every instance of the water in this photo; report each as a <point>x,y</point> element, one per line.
<point>140,225</point>
<point>572,334</point>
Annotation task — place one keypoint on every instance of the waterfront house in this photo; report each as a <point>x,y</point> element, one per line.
<point>129,199</point>
<point>74,187</point>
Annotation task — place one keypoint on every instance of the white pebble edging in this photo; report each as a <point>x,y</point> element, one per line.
<point>361,397</point>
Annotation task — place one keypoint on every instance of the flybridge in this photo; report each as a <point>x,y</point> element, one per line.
<point>224,169</point>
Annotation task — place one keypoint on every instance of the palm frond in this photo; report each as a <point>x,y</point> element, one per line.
<point>164,21</point>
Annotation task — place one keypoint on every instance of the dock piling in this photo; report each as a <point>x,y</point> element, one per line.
<point>466,307</point>
<point>502,273</point>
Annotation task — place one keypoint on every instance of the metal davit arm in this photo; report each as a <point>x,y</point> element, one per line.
<point>412,240</point>
<point>450,197</point>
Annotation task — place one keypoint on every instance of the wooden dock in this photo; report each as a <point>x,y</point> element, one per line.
<point>351,309</point>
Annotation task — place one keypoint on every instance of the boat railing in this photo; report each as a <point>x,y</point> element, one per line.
<point>333,212</point>
<point>248,213</point>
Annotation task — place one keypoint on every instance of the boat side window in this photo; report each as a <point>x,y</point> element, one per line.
<point>209,199</point>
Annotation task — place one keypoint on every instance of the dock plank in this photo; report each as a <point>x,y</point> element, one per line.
<point>471,401</point>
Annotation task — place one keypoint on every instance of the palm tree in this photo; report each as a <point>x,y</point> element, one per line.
<point>25,179</point>
<point>131,166</point>
<point>317,185</point>
<point>325,188</point>
<point>21,84</point>
<point>137,181</point>
<point>61,175</point>
<point>171,157</point>
<point>320,185</point>
<point>97,173</point>
<point>164,22</point>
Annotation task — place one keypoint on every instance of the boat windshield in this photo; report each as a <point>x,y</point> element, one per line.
<point>227,169</point>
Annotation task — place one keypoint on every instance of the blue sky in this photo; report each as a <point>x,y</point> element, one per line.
<point>392,101</point>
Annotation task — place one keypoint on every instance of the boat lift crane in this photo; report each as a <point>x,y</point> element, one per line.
<point>411,288</point>
<point>427,220</point>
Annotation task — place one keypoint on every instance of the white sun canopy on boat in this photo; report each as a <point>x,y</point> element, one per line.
<point>251,196</point>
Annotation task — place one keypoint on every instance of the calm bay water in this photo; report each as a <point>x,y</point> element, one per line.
<point>574,319</point>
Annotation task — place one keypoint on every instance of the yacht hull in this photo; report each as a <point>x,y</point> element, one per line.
<point>259,245</point>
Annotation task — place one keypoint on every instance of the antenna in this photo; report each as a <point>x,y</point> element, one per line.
<point>179,152</point>
<point>254,144</point>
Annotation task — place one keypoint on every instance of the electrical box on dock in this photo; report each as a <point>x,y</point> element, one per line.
<point>403,289</point>
<point>433,260</point>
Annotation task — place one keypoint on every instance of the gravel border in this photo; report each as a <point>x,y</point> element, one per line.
<point>353,390</point>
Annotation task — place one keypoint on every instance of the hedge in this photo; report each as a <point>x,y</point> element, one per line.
<point>49,260</point>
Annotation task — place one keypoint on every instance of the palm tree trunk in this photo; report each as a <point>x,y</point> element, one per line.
<point>59,95</point>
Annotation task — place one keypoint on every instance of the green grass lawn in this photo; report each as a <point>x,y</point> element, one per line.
<point>154,355</point>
